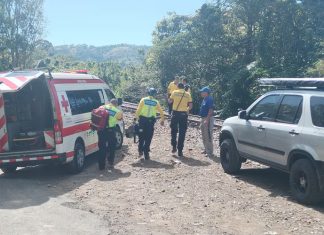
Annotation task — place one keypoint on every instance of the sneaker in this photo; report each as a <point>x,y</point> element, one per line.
<point>174,150</point>
<point>140,153</point>
<point>203,152</point>
<point>147,156</point>
<point>180,154</point>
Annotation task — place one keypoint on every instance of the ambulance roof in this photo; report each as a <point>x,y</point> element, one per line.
<point>15,80</point>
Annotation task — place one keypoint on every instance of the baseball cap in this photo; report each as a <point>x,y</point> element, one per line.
<point>205,89</point>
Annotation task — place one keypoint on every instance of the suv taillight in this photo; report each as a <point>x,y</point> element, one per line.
<point>58,133</point>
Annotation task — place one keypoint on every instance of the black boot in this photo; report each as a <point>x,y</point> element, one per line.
<point>147,156</point>
<point>180,154</point>
<point>174,149</point>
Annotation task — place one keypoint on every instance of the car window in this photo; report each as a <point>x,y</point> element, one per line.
<point>317,111</point>
<point>290,109</point>
<point>266,109</point>
<point>109,94</point>
<point>84,101</point>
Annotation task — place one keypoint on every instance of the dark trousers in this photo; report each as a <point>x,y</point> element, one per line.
<point>107,144</point>
<point>179,123</point>
<point>146,132</point>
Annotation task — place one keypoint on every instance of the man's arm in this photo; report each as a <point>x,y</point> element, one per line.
<point>210,111</point>
<point>139,108</point>
<point>171,98</point>
<point>189,103</point>
<point>119,115</point>
<point>160,110</point>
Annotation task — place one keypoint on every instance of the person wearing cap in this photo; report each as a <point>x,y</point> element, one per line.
<point>146,116</point>
<point>171,88</point>
<point>207,121</point>
<point>181,105</point>
<point>108,136</point>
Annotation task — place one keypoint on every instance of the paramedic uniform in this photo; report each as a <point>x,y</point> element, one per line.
<point>107,137</point>
<point>146,114</point>
<point>179,121</point>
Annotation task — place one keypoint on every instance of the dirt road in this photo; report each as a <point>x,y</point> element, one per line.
<point>164,196</point>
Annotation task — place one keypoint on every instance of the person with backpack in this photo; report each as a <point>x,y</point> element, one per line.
<point>107,136</point>
<point>181,105</point>
<point>146,116</point>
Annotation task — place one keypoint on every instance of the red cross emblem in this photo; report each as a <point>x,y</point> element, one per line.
<point>65,104</point>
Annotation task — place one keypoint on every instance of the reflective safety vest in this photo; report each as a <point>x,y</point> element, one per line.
<point>150,107</point>
<point>112,119</point>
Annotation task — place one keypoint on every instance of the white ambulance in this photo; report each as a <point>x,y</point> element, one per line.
<point>45,118</point>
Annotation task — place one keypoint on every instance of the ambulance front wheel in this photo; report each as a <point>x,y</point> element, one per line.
<point>119,138</point>
<point>77,163</point>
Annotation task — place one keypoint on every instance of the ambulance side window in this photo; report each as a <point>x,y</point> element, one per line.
<point>84,101</point>
<point>109,94</point>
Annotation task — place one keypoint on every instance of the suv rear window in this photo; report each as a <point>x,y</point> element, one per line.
<point>317,110</point>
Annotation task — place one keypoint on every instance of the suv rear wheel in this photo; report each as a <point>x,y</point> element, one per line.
<point>304,182</point>
<point>230,158</point>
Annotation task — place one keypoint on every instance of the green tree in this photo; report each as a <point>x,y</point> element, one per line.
<point>21,26</point>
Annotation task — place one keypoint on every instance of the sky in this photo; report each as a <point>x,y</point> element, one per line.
<point>109,22</point>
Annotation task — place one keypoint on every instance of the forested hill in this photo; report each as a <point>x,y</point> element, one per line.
<point>122,53</point>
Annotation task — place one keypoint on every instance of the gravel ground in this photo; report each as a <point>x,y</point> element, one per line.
<point>166,195</point>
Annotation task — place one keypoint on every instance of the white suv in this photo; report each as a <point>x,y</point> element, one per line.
<point>283,129</point>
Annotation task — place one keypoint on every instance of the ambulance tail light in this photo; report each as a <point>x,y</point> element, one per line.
<point>58,132</point>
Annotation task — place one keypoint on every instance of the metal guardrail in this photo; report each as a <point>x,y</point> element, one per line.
<point>192,118</point>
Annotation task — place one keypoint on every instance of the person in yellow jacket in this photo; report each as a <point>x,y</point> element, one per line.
<point>171,88</point>
<point>146,116</point>
<point>181,105</point>
<point>108,136</point>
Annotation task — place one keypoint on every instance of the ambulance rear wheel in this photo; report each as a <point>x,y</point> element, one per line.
<point>77,164</point>
<point>119,138</point>
<point>9,169</point>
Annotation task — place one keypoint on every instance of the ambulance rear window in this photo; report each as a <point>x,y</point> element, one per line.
<point>84,101</point>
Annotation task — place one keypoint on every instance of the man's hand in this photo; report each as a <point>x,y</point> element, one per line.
<point>206,122</point>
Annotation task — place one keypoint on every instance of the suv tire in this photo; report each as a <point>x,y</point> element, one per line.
<point>303,182</point>
<point>230,158</point>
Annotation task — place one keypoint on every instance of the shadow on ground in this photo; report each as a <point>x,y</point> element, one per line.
<point>274,181</point>
<point>32,186</point>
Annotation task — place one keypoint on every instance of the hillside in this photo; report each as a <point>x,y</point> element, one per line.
<point>122,53</point>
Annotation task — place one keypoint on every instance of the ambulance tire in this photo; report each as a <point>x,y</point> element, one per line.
<point>9,169</point>
<point>77,164</point>
<point>119,138</point>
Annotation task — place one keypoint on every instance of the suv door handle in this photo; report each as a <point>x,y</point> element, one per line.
<point>261,128</point>
<point>293,132</point>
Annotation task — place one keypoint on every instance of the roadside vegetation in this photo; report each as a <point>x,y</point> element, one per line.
<point>225,44</point>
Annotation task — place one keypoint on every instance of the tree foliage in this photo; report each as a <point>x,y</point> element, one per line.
<point>21,26</point>
<point>229,44</point>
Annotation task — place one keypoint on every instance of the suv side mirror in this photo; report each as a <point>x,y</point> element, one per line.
<point>243,115</point>
<point>120,101</point>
